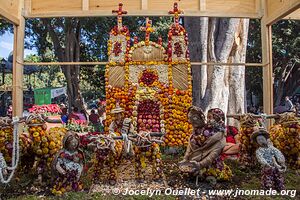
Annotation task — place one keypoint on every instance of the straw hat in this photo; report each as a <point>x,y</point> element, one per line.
<point>117,109</point>
<point>258,132</point>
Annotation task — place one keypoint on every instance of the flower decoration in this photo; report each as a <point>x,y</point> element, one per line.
<point>285,137</point>
<point>148,77</point>
<point>149,96</point>
<point>178,49</point>
<point>49,109</point>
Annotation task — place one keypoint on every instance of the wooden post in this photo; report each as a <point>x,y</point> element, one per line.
<point>85,5</point>
<point>266,38</point>
<point>202,5</point>
<point>18,57</point>
<point>144,4</point>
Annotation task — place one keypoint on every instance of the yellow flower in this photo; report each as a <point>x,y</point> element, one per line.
<point>35,134</point>
<point>45,150</point>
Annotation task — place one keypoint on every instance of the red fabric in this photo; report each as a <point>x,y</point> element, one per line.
<point>73,116</point>
<point>231,133</point>
<point>230,139</point>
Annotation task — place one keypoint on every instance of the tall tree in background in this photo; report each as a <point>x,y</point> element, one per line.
<point>218,40</point>
<point>286,59</point>
<point>80,39</point>
<point>5,26</point>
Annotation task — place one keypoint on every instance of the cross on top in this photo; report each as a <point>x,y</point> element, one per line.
<point>120,12</point>
<point>148,29</point>
<point>176,13</point>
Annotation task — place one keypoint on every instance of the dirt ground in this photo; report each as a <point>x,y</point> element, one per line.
<point>24,188</point>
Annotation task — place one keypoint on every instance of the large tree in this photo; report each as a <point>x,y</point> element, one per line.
<point>286,59</point>
<point>221,40</point>
<point>81,39</point>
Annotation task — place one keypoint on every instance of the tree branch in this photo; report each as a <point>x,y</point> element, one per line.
<point>57,47</point>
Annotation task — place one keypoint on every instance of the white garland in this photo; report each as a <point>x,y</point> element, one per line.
<point>15,155</point>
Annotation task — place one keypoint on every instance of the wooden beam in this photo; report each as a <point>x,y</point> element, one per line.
<point>266,38</point>
<point>93,13</point>
<point>27,7</point>
<point>9,11</point>
<point>213,8</point>
<point>278,9</point>
<point>85,5</point>
<point>294,15</point>
<point>144,4</point>
<point>17,94</point>
<point>18,57</point>
<point>105,63</point>
<point>202,5</point>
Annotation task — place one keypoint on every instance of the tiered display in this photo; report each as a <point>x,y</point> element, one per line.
<point>151,83</point>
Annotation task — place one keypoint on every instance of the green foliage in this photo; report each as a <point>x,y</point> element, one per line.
<point>48,76</point>
<point>94,35</point>
<point>286,46</point>
<point>5,26</point>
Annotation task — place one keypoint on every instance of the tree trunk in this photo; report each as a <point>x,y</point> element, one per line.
<point>287,82</point>
<point>220,40</point>
<point>69,52</point>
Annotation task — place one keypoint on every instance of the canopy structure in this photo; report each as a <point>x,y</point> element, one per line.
<point>268,11</point>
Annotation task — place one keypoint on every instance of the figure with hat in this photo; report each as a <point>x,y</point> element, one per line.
<point>271,159</point>
<point>120,126</point>
<point>68,165</point>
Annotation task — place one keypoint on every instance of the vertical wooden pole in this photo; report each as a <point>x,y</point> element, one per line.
<point>144,4</point>
<point>266,38</point>
<point>85,5</point>
<point>202,5</point>
<point>18,57</point>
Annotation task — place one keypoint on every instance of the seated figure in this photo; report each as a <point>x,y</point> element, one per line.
<point>121,126</point>
<point>206,144</point>
<point>68,165</point>
<point>271,159</point>
<point>232,147</point>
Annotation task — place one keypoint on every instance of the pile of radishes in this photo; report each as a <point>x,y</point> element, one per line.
<point>148,116</point>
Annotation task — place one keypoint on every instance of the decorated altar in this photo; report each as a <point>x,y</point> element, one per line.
<point>152,83</point>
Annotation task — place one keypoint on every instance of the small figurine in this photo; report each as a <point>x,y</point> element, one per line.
<point>119,127</point>
<point>197,118</point>
<point>68,165</point>
<point>205,145</point>
<point>271,159</point>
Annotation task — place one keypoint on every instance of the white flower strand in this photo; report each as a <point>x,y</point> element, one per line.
<point>15,155</point>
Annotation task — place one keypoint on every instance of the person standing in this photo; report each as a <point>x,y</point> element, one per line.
<point>94,118</point>
<point>64,115</point>
<point>289,107</point>
<point>74,114</point>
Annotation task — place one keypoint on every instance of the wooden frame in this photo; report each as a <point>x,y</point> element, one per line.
<point>105,63</point>
<point>278,9</point>
<point>9,10</point>
<point>89,8</point>
<point>269,11</point>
